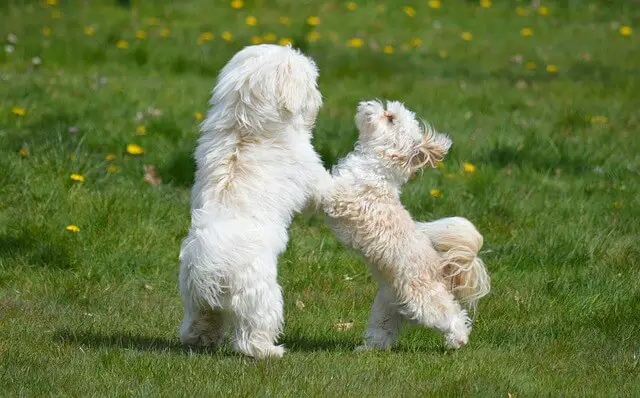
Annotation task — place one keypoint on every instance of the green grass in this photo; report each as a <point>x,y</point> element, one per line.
<point>556,194</point>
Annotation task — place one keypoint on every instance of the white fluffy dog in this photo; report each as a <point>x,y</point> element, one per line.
<point>255,168</point>
<point>423,269</point>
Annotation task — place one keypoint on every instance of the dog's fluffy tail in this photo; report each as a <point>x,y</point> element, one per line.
<point>458,242</point>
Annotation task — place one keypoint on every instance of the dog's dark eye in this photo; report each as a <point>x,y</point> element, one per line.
<point>390,117</point>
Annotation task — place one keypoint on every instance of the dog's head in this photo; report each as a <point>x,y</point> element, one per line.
<point>264,87</point>
<point>393,132</point>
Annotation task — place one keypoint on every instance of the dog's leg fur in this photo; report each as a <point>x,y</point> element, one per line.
<point>435,307</point>
<point>384,322</point>
<point>258,314</point>
<point>203,326</point>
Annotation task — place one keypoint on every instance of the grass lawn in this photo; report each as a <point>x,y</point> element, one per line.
<point>542,103</point>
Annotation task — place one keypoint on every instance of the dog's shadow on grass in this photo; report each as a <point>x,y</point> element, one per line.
<point>123,341</point>
<point>293,343</point>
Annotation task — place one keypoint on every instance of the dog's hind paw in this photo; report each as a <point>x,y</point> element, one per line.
<point>363,348</point>
<point>454,342</point>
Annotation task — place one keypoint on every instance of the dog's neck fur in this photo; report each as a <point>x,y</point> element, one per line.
<point>365,166</point>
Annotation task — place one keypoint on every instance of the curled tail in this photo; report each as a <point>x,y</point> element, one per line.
<point>458,242</point>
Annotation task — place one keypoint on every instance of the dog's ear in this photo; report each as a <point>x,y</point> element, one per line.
<point>433,148</point>
<point>295,80</point>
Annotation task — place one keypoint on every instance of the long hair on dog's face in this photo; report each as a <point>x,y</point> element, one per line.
<point>265,87</point>
<point>395,133</point>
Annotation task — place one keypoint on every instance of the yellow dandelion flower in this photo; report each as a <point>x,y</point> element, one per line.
<point>110,157</point>
<point>436,193</point>
<point>618,204</point>
<point>531,65</point>
<point>388,49</point>
<point>256,40</point>
<point>141,35</point>
<point>597,119</point>
<point>141,130</point>
<point>24,151</point>
<point>285,20</point>
<point>237,4</point>
<point>18,111</point>
<point>468,167</point>
<point>56,14</point>
<point>552,68</point>
<point>164,32</point>
<point>356,42</point>
<point>251,20</point>
<point>416,42</point>
<point>226,36</point>
<point>351,6</point>
<point>205,36</point>
<point>270,37</point>
<point>526,32</point>
<point>313,20</point>
<point>122,44</point>
<point>89,30</point>
<point>51,2</point>
<point>440,165</point>
<point>198,116</point>
<point>77,177</point>
<point>543,10</point>
<point>410,11</point>
<point>443,54</point>
<point>72,228</point>
<point>133,149</point>
<point>434,4</point>
<point>522,11</point>
<point>466,36</point>
<point>625,31</point>
<point>284,41</point>
<point>485,3</point>
<point>46,31</point>
<point>313,36</point>
<point>112,169</point>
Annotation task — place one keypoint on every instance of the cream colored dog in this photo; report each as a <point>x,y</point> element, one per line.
<point>424,269</point>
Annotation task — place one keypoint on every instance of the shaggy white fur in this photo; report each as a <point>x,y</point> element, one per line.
<point>423,269</point>
<point>255,168</point>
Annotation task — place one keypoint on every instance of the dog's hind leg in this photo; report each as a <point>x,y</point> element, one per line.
<point>258,314</point>
<point>384,322</point>
<point>435,307</point>
<point>204,327</point>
